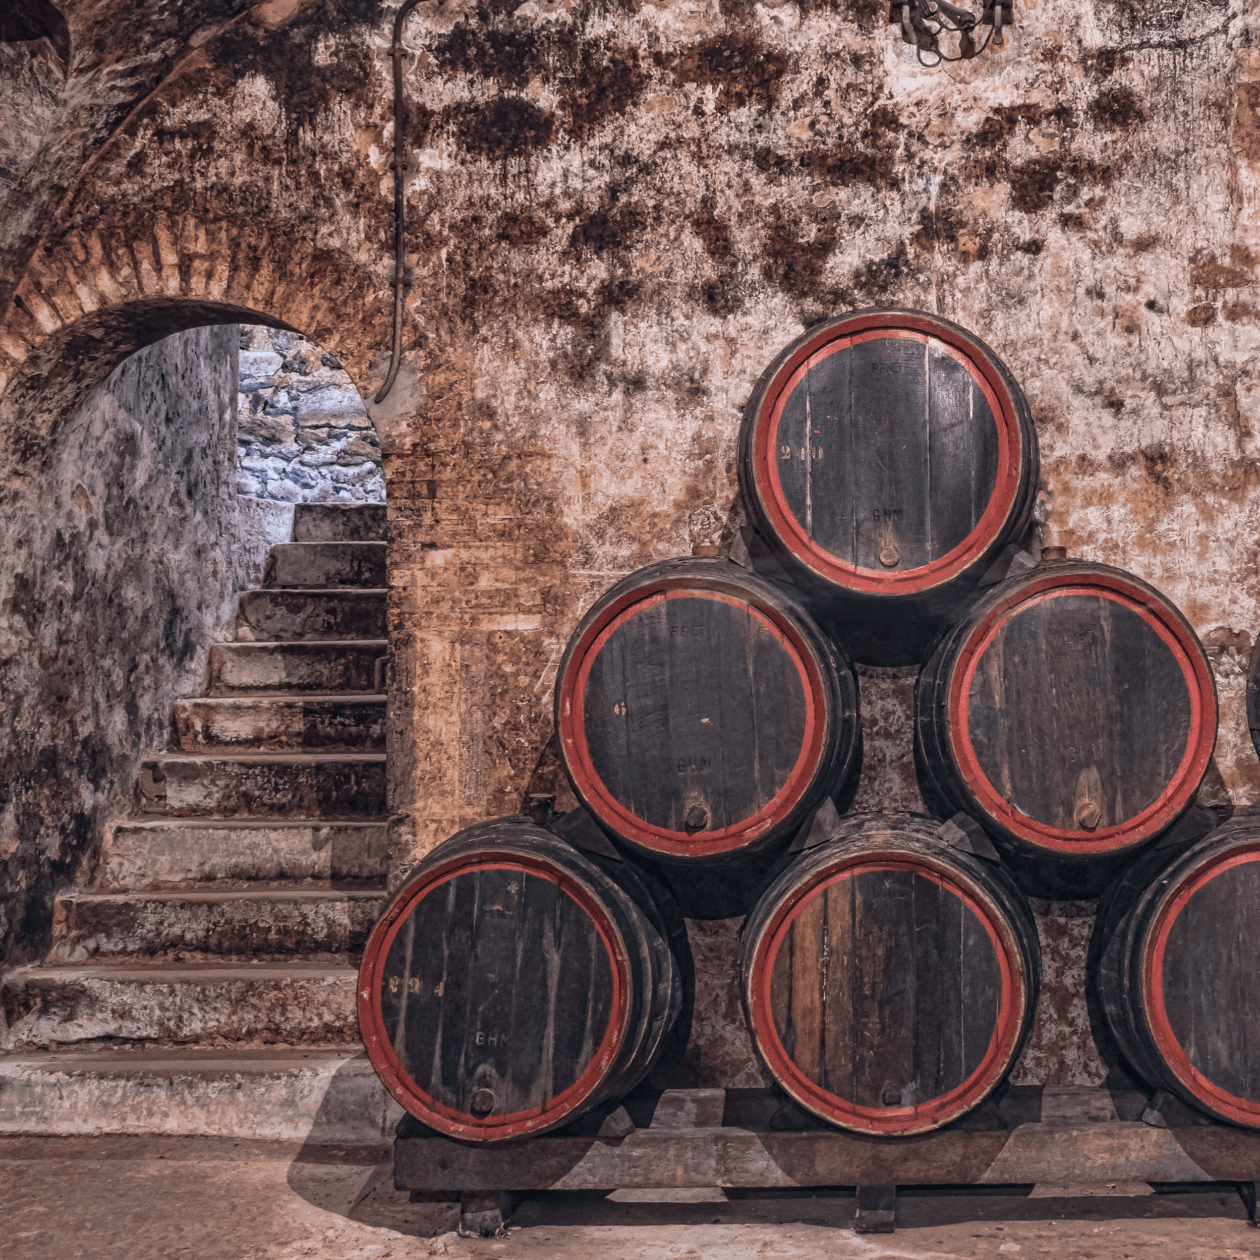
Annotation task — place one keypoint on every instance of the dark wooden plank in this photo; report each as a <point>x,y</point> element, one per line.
<point>936,1032</point>
<point>450,1030</point>
<point>419,961</point>
<point>483,1051</point>
<point>830,459</point>
<point>794,452</point>
<point>530,1070</point>
<point>962,453</point>
<point>781,973</point>
<point>807,1012</point>
<point>980,994</point>
<point>838,989</point>
<point>889,401</point>
<point>583,1002</point>
<point>884,984</point>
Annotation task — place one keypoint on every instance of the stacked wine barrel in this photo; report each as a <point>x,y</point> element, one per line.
<point>1176,952</point>
<point>889,976</point>
<point>515,982</point>
<point>888,458</point>
<point>707,716</point>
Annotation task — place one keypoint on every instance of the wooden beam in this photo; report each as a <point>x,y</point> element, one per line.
<point>1061,1148</point>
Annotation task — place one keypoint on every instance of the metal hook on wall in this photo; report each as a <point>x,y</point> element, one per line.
<point>923,21</point>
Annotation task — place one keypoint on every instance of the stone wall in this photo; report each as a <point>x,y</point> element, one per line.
<point>303,435</point>
<point>123,547</point>
<point>618,213</point>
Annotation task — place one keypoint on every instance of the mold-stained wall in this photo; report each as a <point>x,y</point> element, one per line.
<point>617,214</point>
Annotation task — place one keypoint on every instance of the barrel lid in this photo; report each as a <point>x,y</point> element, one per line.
<point>455,1037</point>
<point>1081,709</point>
<point>938,419</point>
<point>695,708</point>
<point>845,906</point>
<point>1198,973</point>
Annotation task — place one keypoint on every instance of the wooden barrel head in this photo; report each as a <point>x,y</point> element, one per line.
<point>1201,960</point>
<point>500,990</point>
<point>675,704</point>
<point>888,987</point>
<point>888,452</point>
<point>1081,714</point>
<point>697,717</point>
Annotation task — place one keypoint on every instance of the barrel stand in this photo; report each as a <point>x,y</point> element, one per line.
<point>753,1139</point>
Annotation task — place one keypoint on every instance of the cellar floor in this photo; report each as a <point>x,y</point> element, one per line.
<point>216,1199</point>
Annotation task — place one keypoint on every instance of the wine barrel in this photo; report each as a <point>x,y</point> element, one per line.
<point>1071,710</point>
<point>1177,959</point>
<point>702,712</point>
<point>887,458</point>
<point>889,978</point>
<point>514,982</point>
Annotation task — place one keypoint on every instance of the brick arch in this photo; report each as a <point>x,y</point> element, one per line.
<point>98,295</point>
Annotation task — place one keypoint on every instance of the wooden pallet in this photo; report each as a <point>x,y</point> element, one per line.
<point>754,1139</point>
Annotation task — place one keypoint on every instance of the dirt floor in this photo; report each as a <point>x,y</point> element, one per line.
<point>210,1199</point>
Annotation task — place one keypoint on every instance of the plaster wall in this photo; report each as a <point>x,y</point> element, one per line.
<point>618,213</point>
<point>122,549</point>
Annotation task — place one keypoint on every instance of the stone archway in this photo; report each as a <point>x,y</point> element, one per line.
<point>92,298</point>
<point>84,308</point>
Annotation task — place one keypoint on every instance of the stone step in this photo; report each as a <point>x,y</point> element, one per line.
<point>281,724</point>
<point>311,786</point>
<point>152,855</point>
<point>331,665</point>
<point>336,564</point>
<point>294,1004</point>
<point>311,614</point>
<point>319,1097</point>
<point>326,522</point>
<point>189,926</point>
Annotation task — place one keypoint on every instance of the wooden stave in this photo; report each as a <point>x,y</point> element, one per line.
<point>651,933</point>
<point>840,762</point>
<point>1127,914</point>
<point>1253,696</point>
<point>894,628</point>
<point>941,782</point>
<point>670,1022</point>
<point>853,839</point>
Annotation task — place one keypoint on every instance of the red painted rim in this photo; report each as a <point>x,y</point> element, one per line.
<point>1183,783</point>
<point>381,1052</point>
<point>890,1121</point>
<point>1239,1110</point>
<point>577,753</point>
<point>765,466</point>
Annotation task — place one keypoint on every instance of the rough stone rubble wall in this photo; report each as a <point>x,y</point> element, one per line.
<point>618,215</point>
<point>122,551</point>
<point>303,434</point>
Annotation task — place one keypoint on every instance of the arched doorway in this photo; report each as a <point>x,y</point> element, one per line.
<point>205,672</point>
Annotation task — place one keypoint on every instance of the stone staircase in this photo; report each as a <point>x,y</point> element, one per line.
<point>203,978</point>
